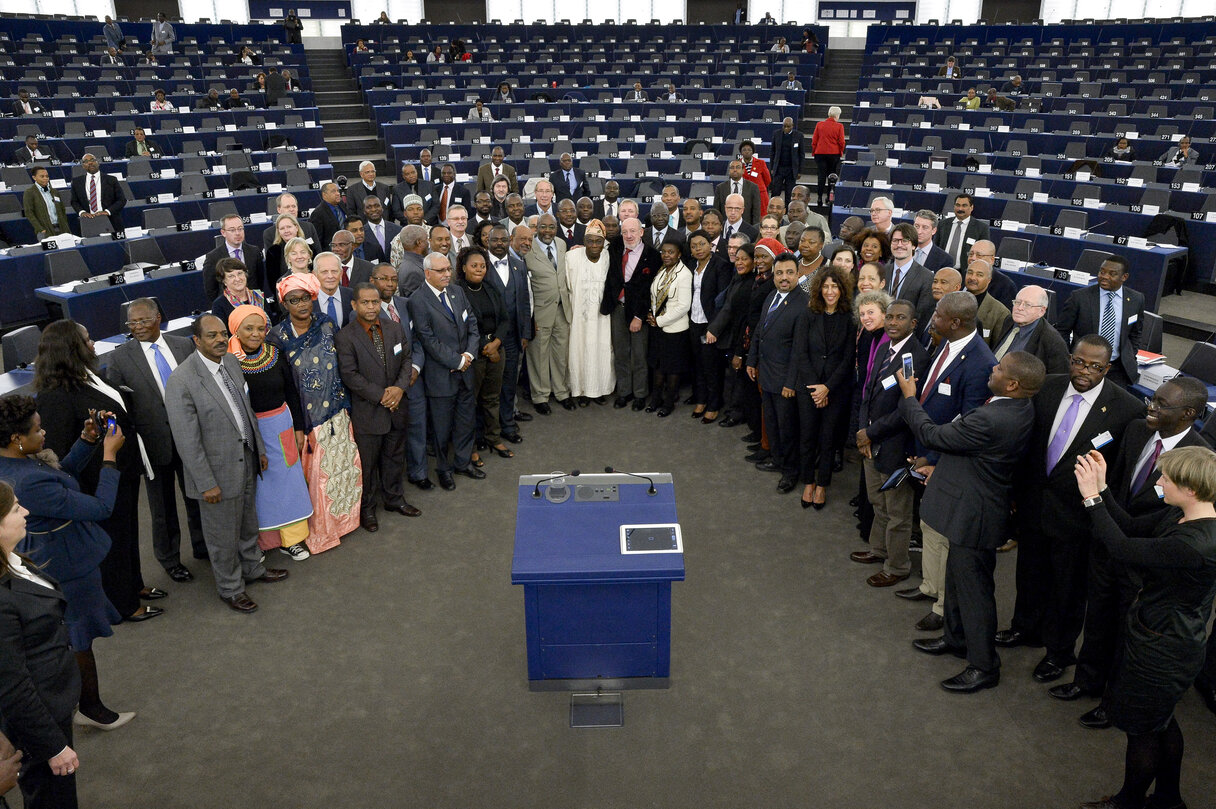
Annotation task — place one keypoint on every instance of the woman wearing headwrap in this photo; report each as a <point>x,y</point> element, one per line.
<point>590,370</point>
<point>282,496</point>
<point>331,460</point>
<point>670,302</point>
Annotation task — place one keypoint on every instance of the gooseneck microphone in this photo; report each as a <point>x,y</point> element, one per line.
<point>536,489</point>
<point>651,491</point>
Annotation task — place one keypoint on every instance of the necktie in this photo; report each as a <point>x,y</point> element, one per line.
<point>1149,465</point>
<point>956,241</point>
<point>443,298</point>
<point>237,255</point>
<point>345,275</point>
<point>1059,441</point>
<point>569,234</point>
<point>443,205</point>
<point>730,231</point>
<point>93,207</point>
<point>331,309</point>
<point>610,208</point>
<point>162,366</point>
<point>379,231</point>
<point>921,254</point>
<point>392,312</point>
<point>497,171</point>
<point>736,191</point>
<point>895,282</point>
<point>552,258</point>
<point>141,148</point>
<point>658,239</point>
<point>1003,348</point>
<point>378,341</point>
<point>1110,328</point>
<point>236,400</point>
<point>937,370</point>
<point>570,180</point>
<point>772,308</point>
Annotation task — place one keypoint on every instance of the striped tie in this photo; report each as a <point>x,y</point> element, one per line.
<point>1110,328</point>
<point>93,207</point>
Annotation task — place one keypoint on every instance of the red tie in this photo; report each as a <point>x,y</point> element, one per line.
<point>937,369</point>
<point>443,205</point>
<point>392,312</point>
<point>569,234</point>
<point>624,264</point>
<point>93,207</point>
<point>345,276</point>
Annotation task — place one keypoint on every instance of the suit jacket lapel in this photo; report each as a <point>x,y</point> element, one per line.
<point>25,586</point>
<point>141,364</point>
<point>213,388</point>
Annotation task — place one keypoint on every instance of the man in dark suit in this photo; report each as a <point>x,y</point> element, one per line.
<point>408,185</point>
<point>927,254</point>
<point>632,266</point>
<point>736,183</point>
<point>30,152</point>
<point>24,105</point>
<point>374,358</point>
<point>569,230</point>
<point>1026,329</point>
<point>508,273</point>
<point>1113,310</point>
<point>96,194</point>
<point>329,216</point>
<point>43,206</point>
<point>354,270</point>
<point>215,430</point>
<point>1073,414</point>
<point>141,145</point>
<point>958,234</point>
<point>1169,423</point>
<point>955,383</point>
<point>447,330</point>
<point>769,362</point>
<point>234,246</point>
<point>143,366</point>
<point>378,232</point>
<point>787,159</point>
<point>906,279</point>
<point>967,499</point>
<point>446,194</point>
<point>569,182</point>
<point>885,441</point>
<point>368,186</point>
<point>276,86</point>
<point>660,228</point>
<point>487,173</point>
<point>637,93</point>
<point>610,203</point>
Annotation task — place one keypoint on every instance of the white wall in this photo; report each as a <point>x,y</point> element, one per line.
<point>84,8</point>
<point>578,10</point>
<point>367,10</point>
<point>1056,10</point>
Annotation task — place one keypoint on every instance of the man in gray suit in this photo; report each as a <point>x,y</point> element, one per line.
<point>216,434</point>
<point>413,243</point>
<point>143,365</point>
<point>549,351</point>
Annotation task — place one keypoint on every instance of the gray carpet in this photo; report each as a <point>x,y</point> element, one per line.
<point>390,672</point>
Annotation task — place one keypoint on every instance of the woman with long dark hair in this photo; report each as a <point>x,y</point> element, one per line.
<point>69,390</point>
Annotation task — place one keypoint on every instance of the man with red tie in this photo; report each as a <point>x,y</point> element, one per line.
<point>568,228</point>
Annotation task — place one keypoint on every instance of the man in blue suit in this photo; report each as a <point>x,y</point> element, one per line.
<point>508,274</point>
<point>447,330</point>
<point>955,383</point>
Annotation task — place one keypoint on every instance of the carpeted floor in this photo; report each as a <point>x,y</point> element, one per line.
<point>390,672</point>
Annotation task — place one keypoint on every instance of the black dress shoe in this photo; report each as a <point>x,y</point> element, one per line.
<point>424,484</point>
<point>471,472</point>
<point>639,404</point>
<point>583,401</point>
<point>405,510</point>
<point>569,404</point>
<point>240,602</point>
<point>937,646</point>
<point>914,594</point>
<point>520,416</point>
<point>664,412</point>
<point>759,456</point>
<point>755,447</point>
<point>1049,670</point>
<point>481,444</point>
<point>972,680</point>
<point>855,502</point>
<point>1095,719</point>
<point>180,574</point>
<point>1010,638</point>
<point>785,485</point>
<point>272,575</point>
<point>1070,691</point>
<point>445,481</point>
<point>652,406</point>
<point>369,523</point>
<point>768,466</point>
<point>1208,692</point>
<point>750,438</point>
<point>149,612</point>
<point>930,623</point>
<point>729,421</point>
<point>543,408</point>
<point>514,438</point>
<point>838,462</point>
<point>621,401</point>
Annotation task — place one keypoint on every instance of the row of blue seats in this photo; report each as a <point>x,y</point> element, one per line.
<point>384,109</point>
<point>1094,30</point>
<point>1060,123</point>
<point>18,28</point>
<point>92,102</point>
<point>46,126</point>
<point>1130,91</point>
<point>442,34</point>
<point>69,150</point>
<point>1112,108</point>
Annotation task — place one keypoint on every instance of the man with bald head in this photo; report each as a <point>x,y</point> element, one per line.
<point>991,313</point>
<point>95,194</point>
<point>632,266</point>
<point>410,184</point>
<point>954,383</point>
<point>1000,286</point>
<point>548,353</point>
<point>945,281</point>
<point>497,167</point>
<point>691,217</point>
<point>735,207</point>
<point>786,159</point>
<point>660,227</point>
<point>569,182</point>
<point>1027,329</point>
<point>736,183</point>
<point>585,208</point>
<point>568,228</point>
<point>609,204</point>
<point>543,205</point>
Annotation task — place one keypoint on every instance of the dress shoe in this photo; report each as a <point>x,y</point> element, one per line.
<point>1011,638</point>
<point>914,594</point>
<point>1049,670</point>
<point>972,680</point>
<point>272,575</point>
<point>180,574</point>
<point>543,408</point>
<point>1208,692</point>
<point>152,594</point>
<point>930,623</point>
<point>1008,546</point>
<point>1095,719</point>
<point>639,404</point>
<point>866,557</point>
<point>664,412</point>
<point>755,447</point>
<point>445,481</point>
<point>240,602</point>
<point>520,416</point>
<point>757,456</point>
<point>936,646</point>
<point>652,406</point>
<point>750,438</point>
<point>369,523</point>
<point>147,613</point>
<point>696,414</point>
<point>855,502</point>
<point>601,400</point>
<point>621,401</point>
<point>729,421</point>
<point>86,722</point>
<point>1070,691</point>
<point>785,485</point>
<point>424,484</point>
<point>1103,803</point>
<point>481,444</point>
<point>708,420</point>
<point>471,472</point>
<point>884,579</point>
<point>767,466</point>
<point>838,462</point>
<point>405,510</point>
<point>583,401</point>
<point>514,438</point>
<point>569,403</point>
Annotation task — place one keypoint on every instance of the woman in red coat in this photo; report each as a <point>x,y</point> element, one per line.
<point>827,145</point>
<point>755,170</point>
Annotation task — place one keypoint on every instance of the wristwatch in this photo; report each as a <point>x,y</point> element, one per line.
<point>1090,502</point>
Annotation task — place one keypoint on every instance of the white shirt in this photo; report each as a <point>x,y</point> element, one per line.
<point>697,313</point>
<point>502,266</point>
<point>1087,401</point>
<point>216,369</point>
<point>323,301</point>
<point>150,358</point>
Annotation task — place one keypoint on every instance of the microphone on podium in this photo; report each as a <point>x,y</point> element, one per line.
<point>651,491</point>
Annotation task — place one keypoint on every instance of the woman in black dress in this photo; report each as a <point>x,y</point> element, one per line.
<point>730,330</point>
<point>491,313</point>
<point>823,383</point>
<point>710,277</point>
<point>1166,632</point>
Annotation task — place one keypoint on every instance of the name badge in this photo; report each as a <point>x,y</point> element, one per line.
<point>986,333</point>
<point>970,241</point>
<point>1160,490</point>
<point>1102,439</point>
<point>944,389</point>
<point>397,349</point>
<point>1132,319</point>
<point>889,382</point>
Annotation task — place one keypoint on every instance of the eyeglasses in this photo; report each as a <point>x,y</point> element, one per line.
<point>143,321</point>
<point>235,229</point>
<point>384,278</point>
<point>900,241</point>
<point>1156,404</point>
<point>1024,305</point>
<point>1096,367</point>
<point>341,244</point>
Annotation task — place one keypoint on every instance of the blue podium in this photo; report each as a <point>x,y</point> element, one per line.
<point>596,555</point>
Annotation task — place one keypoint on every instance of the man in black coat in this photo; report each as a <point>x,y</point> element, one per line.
<point>956,235</point>
<point>234,246</point>
<point>569,182</point>
<point>736,183</point>
<point>1026,329</point>
<point>508,273</point>
<point>906,279</point>
<point>569,229</point>
<point>1073,414</point>
<point>1113,310</point>
<point>30,152</point>
<point>368,186</point>
<point>632,266</point>
<point>374,359</point>
<point>967,499</point>
<point>1169,423</point>
<point>885,441</point>
<point>456,194</point>
<point>770,363</point>
<point>329,216</point>
<point>97,194</point>
<point>786,159</point>
<point>409,184</point>
<point>25,105</point>
<point>143,366</point>
<point>276,87</point>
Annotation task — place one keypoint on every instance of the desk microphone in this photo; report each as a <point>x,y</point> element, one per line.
<point>651,491</point>
<point>536,489</point>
